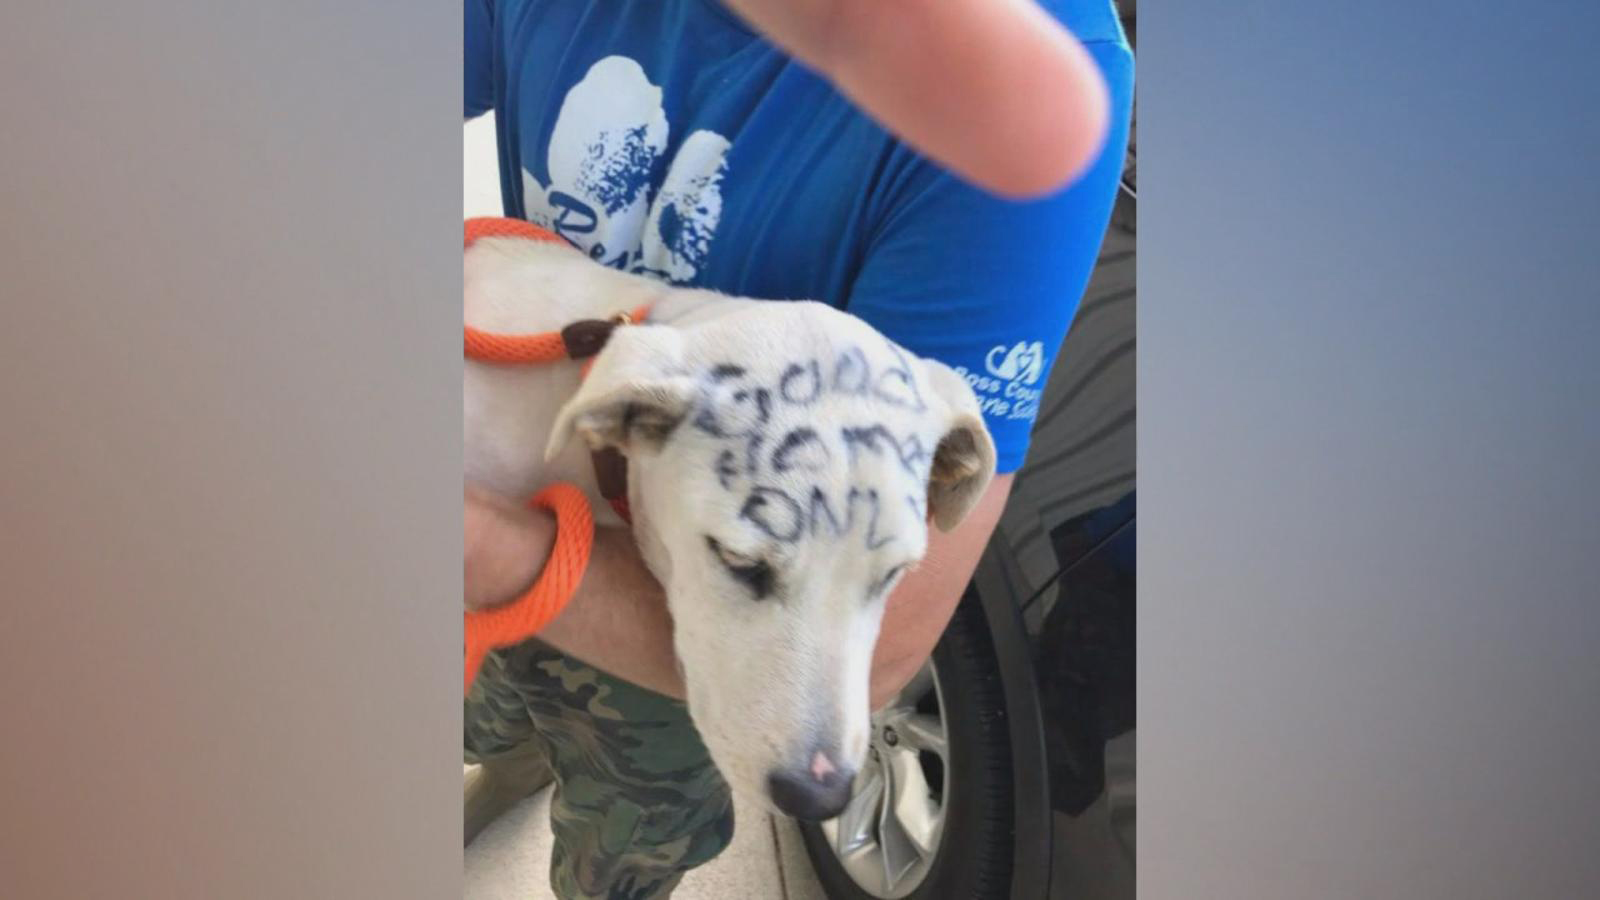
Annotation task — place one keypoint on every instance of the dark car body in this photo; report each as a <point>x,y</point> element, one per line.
<point>1058,587</point>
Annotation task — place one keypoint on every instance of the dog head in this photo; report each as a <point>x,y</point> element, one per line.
<point>784,462</point>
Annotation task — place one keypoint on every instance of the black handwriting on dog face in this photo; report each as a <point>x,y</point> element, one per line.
<point>785,519</point>
<point>801,383</point>
<point>805,449</point>
<point>775,513</point>
<point>852,374</point>
<point>739,398</point>
<point>909,450</point>
<point>897,386</point>
<point>738,410</point>
<point>801,449</point>
<point>726,468</point>
<point>918,508</point>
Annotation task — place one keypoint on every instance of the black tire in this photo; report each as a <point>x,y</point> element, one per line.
<point>974,858</point>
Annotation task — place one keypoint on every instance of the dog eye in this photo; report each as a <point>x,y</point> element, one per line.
<point>753,573</point>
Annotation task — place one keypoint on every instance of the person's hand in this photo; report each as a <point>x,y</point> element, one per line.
<point>506,545</point>
<point>997,91</point>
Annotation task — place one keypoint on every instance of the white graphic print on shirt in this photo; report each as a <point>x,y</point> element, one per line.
<point>608,137</point>
<point>1010,392</point>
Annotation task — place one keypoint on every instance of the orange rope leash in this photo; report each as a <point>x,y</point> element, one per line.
<point>519,349</point>
<point>511,348</point>
<point>515,622</point>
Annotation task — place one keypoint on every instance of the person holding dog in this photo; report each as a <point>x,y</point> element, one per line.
<point>945,171</point>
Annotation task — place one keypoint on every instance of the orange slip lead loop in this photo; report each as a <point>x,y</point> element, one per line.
<point>551,346</point>
<point>497,226</point>
<point>514,622</point>
<point>507,348</point>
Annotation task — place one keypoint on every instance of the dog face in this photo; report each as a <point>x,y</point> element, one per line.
<point>784,461</point>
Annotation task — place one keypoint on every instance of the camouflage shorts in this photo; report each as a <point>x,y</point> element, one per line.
<point>637,800</point>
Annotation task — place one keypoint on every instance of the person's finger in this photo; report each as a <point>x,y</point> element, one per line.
<point>995,90</point>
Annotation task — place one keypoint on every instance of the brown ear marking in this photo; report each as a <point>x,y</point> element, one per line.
<point>611,473</point>
<point>633,396</point>
<point>964,460</point>
<point>956,458</point>
<point>586,337</point>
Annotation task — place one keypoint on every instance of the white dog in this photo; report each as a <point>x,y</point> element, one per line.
<point>784,460</point>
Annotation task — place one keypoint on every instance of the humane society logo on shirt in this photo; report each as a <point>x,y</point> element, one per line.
<point>1008,391</point>
<point>608,136</point>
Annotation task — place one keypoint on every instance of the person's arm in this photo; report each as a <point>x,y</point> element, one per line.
<point>922,604</point>
<point>997,91</point>
<point>505,548</point>
<point>617,621</point>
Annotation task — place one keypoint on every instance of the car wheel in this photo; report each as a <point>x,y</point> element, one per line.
<point>931,816</point>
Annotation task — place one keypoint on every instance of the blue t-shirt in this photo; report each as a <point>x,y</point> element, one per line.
<point>665,137</point>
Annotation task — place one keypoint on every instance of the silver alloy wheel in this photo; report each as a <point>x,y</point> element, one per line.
<point>888,836</point>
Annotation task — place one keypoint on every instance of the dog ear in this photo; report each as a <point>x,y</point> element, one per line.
<point>963,463</point>
<point>633,396</point>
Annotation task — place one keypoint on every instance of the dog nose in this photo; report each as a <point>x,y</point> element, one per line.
<point>813,794</point>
